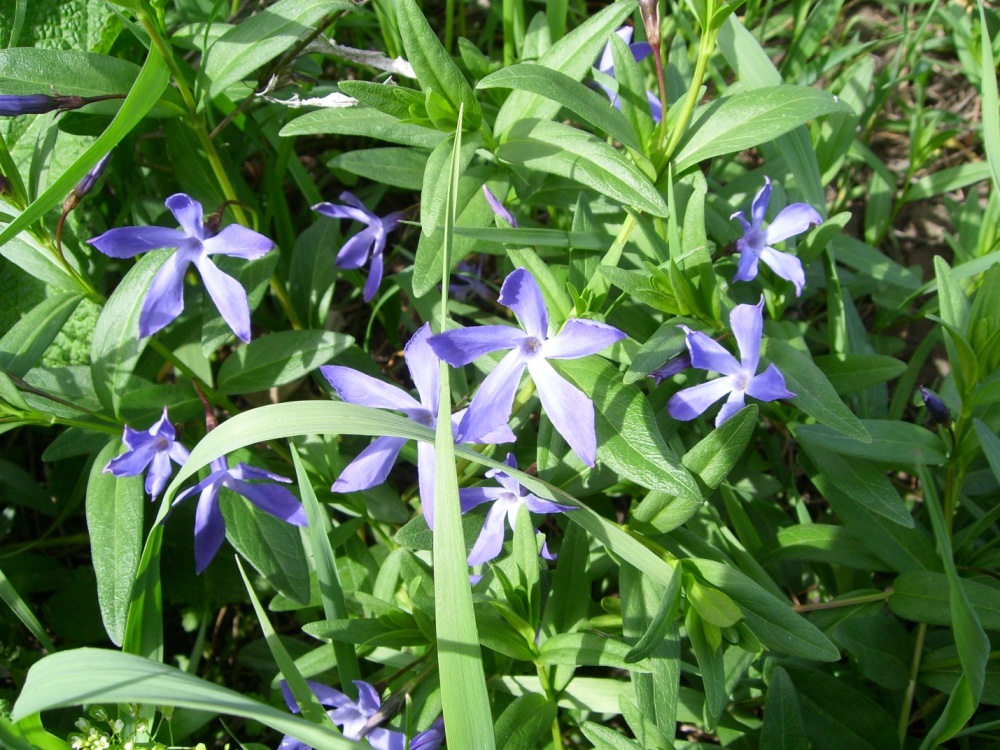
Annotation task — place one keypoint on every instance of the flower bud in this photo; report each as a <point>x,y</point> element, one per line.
<point>936,407</point>
<point>12,105</point>
<point>85,185</point>
<point>671,367</point>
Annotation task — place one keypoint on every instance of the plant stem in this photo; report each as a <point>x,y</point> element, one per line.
<point>216,398</point>
<point>705,48</point>
<point>866,599</point>
<point>911,686</point>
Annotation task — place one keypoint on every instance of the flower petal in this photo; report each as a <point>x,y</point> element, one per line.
<point>707,354</point>
<point>369,700</point>
<point>357,388</point>
<point>355,251</point>
<point>431,738</point>
<point>785,265</point>
<point>539,505</point>
<point>335,211</point>
<point>381,738</point>
<point>749,258</point>
<point>374,277</point>
<point>351,199</point>
<point>690,402</point>
<point>520,292</point>
<point>245,471</point>
<point>229,297</point>
<point>579,338</point>
<point>238,241</point>
<point>499,209</point>
<point>792,220</point>
<point>274,500</point>
<point>424,367</point>
<point>655,106</point>
<point>188,213</point>
<point>769,385</point>
<point>124,242</point>
<point>570,410</point>
<point>464,345</point>
<point>490,540</point>
<point>159,473</point>
<point>165,297</point>
<point>491,406</point>
<point>734,403</point>
<point>747,322</point>
<point>371,466</point>
<point>132,462</point>
<point>209,527</point>
<point>471,497</point>
<point>760,201</point>
<point>425,480</point>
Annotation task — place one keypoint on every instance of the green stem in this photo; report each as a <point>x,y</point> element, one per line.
<point>705,48</point>
<point>911,686</point>
<point>853,601</point>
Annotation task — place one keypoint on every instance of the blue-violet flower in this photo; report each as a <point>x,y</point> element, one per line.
<point>570,410</point>
<point>741,378</point>
<point>756,243</point>
<point>351,716</point>
<point>506,499</point>
<point>209,525</point>
<point>367,244</point>
<point>640,51</point>
<point>154,448</point>
<point>165,299</point>
<point>372,465</point>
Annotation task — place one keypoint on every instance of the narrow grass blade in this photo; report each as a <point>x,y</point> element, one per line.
<point>991,101</point>
<point>23,612</point>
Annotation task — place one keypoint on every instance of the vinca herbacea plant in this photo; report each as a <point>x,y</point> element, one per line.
<point>563,375</point>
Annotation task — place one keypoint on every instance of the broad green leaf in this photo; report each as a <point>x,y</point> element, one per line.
<point>821,542</point>
<point>628,440</point>
<point>24,344</point>
<point>272,546</point>
<point>863,480</point>
<point>716,454</point>
<point>813,393</point>
<point>399,167</point>
<point>524,722</point>
<point>115,509</point>
<point>660,623</point>
<point>263,36</point>
<point>770,619</point>
<point>362,121</point>
<point>435,69</point>
<point>783,728</point>
<point>279,358</point>
<point>91,675</point>
<point>882,647</point>
<point>709,659</point>
<point>151,82</point>
<point>990,444</point>
<point>588,649</point>
<point>573,55</point>
<point>849,373</point>
<point>922,596</point>
<point>396,101</point>
<point>577,155</point>
<point>590,106</point>
<point>116,345</point>
<point>750,118</point>
<point>607,738</point>
<point>893,442</point>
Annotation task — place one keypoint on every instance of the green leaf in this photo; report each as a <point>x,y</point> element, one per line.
<point>588,649</point>
<point>770,619</point>
<point>272,546</point>
<point>863,480</point>
<point>396,101</point>
<point>32,70</point>
<point>152,80</point>
<point>362,121</point>
<point>990,444</point>
<point>850,373</point>
<point>116,345</point>
<point>262,37</point>
<point>399,167</point>
<point>628,440</point>
<point>893,442</point>
<point>586,103</point>
<point>923,596</point>
<point>90,675</point>
<point>750,118</point>
<point>783,728</point>
<point>23,345</point>
<point>17,605</point>
<point>435,69</point>
<point>607,738</point>
<point>882,647</point>
<point>115,509</point>
<point>524,722</point>
<point>821,542</point>
<point>813,393</point>
<point>573,55</point>
<point>710,665</point>
<point>278,359</point>
<point>991,105</point>
<point>577,155</point>
<point>716,454</point>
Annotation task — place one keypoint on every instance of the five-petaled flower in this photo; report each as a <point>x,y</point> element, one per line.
<point>209,525</point>
<point>351,716</point>
<point>740,378</point>
<point>372,465</point>
<point>367,244</point>
<point>154,448</point>
<point>756,243</point>
<point>165,299</point>
<point>506,499</point>
<point>606,64</point>
<point>570,410</point>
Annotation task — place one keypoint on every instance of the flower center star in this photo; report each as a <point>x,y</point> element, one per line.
<point>756,239</point>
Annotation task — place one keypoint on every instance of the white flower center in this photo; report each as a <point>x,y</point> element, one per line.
<point>531,346</point>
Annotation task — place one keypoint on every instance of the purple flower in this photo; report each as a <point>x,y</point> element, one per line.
<point>367,244</point>
<point>165,298</point>
<point>499,208</point>
<point>468,281</point>
<point>606,64</point>
<point>740,378</point>
<point>372,465</point>
<point>351,716</point>
<point>153,448</point>
<point>506,499</point>
<point>755,244</point>
<point>935,406</point>
<point>209,526</point>
<point>431,738</point>
<point>673,366</point>
<point>571,411</point>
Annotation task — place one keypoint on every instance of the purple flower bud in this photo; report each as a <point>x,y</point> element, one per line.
<point>671,367</point>
<point>12,105</point>
<point>85,185</point>
<point>939,412</point>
